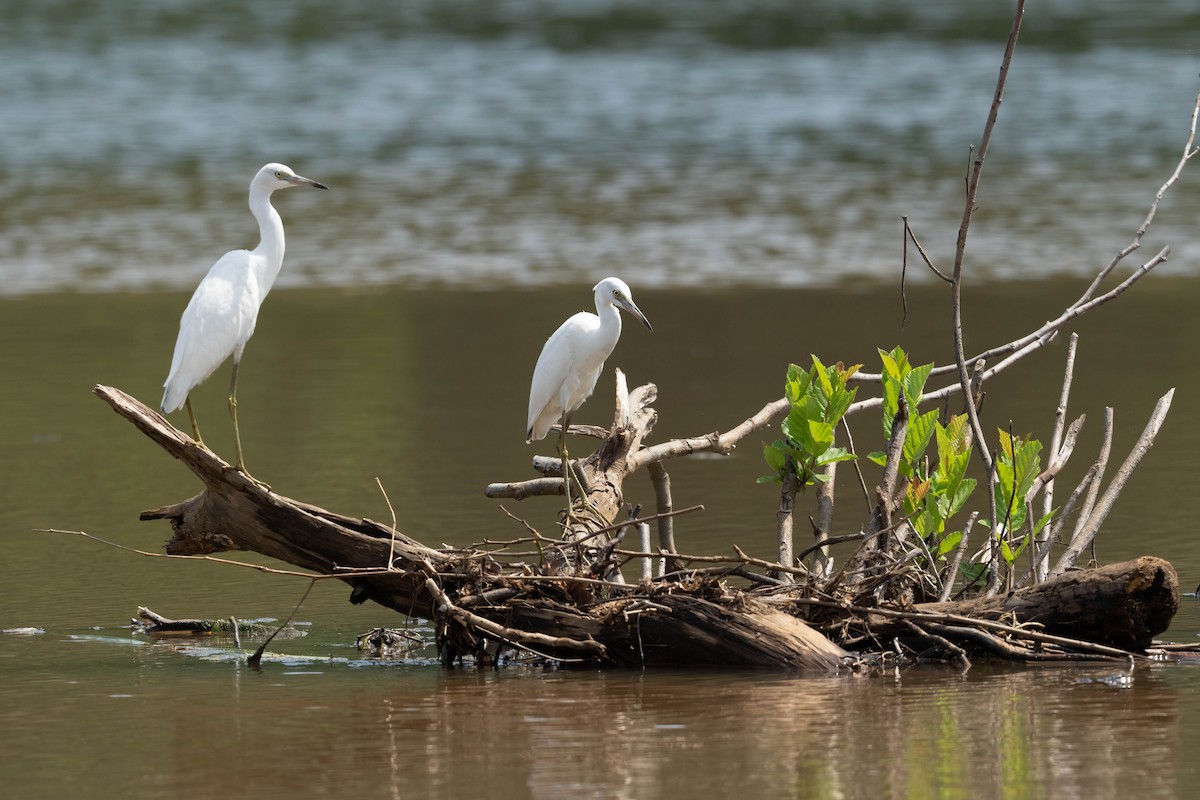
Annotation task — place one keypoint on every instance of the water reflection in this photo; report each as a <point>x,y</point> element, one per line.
<point>433,733</point>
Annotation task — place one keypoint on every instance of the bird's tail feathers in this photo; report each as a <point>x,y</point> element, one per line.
<point>173,398</point>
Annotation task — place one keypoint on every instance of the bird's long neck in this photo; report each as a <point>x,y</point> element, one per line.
<point>270,231</point>
<point>610,323</point>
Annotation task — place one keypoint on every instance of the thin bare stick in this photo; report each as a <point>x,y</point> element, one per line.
<point>392,511</point>
<point>909,235</point>
<point>1087,300</point>
<point>959,654</point>
<point>1076,309</point>
<point>960,250</point>
<point>798,569</point>
<point>952,573</point>
<point>862,481</point>
<point>722,443</point>
<point>1060,417</point>
<point>904,273</point>
<point>956,388</point>
<point>1109,498</point>
<point>1068,508</point>
<point>1015,631</point>
<point>784,518</point>
<point>885,492</point>
<point>256,658</point>
<point>1188,152</point>
<point>216,560</point>
<point>1100,466</point>
<point>662,498</point>
<point>823,564</point>
<point>511,636</point>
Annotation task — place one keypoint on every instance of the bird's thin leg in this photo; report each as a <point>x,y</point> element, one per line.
<point>566,466</point>
<point>187,402</point>
<point>239,464</point>
<point>569,473</point>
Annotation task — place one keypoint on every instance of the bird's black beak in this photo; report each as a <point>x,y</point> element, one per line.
<point>629,306</point>
<point>309,182</point>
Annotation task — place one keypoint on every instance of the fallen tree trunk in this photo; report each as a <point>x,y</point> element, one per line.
<point>479,602</point>
<point>1124,605</point>
<point>457,589</point>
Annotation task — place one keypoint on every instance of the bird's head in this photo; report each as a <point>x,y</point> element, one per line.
<point>616,292</point>
<point>280,176</point>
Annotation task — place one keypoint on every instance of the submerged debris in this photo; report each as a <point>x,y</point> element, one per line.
<point>149,623</point>
<point>389,643</point>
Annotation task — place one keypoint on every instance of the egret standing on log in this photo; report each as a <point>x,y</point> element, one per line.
<point>221,315</point>
<point>571,362</point>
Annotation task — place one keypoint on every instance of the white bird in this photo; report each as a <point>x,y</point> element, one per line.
<point>571,362</point>
<point>221,315</point>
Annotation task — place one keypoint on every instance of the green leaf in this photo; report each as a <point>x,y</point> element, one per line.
<point>1006,552</point>
<point>914,384</point>
<point>948,543</point>
<point>960,496</point>
<point>833,455</point>
<point>776,456</point>
<point>920,430</point>
<point>879,457</point>
<point>973,574</point>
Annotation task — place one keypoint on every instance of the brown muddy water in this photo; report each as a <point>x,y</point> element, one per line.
<point>426,390</point>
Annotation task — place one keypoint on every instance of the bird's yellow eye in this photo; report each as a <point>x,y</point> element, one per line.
<point>279,175</point>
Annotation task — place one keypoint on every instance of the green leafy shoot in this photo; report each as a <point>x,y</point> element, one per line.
<point>818,399</point>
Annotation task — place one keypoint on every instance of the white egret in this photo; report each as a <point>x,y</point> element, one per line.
<point>222,313</point>
<point>571,362</point>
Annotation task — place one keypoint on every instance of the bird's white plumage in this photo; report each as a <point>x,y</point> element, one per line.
<point>220,317</point>
<point>573,357</point>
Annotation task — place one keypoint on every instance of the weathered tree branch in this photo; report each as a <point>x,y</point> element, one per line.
<point>1090,528</point>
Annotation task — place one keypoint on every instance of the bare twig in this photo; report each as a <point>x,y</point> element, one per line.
<point>1090,528</point>
<point>910,236</point>
<point>784,518</point>
<point>823,564</point>
<point>885,492</point>
<point>722,443</point>
<point>959,654</point>
<point>1060,417</point>
<point>960,356</point>
<point>862,482</point>
<point>1100,466</point>
<point>952,573</point>
<point>214,559</point>
<point>662,496</point>
<point>1015,631</point>
<point>392,511</point>
<point>1044,333</point>
<point>511,636</point>
<point>255,659</point>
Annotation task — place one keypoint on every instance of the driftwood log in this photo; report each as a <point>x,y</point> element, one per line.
<point>479,602</point>
<point>470,599</point>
